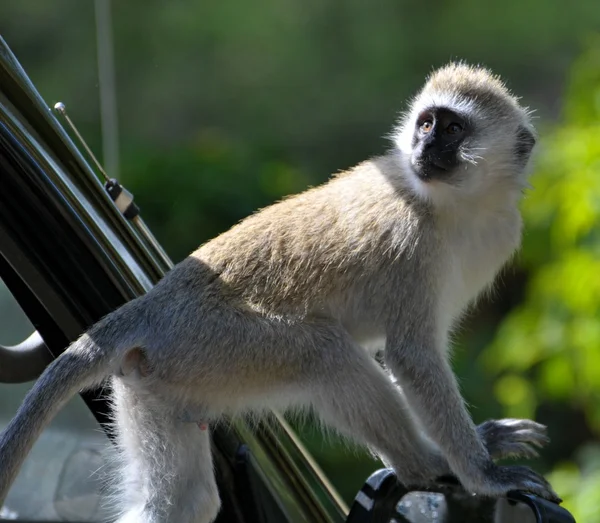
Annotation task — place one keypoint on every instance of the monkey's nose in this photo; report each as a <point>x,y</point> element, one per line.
<point>443,160</point>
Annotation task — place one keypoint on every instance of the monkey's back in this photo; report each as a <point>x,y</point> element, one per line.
<point>312,250</point>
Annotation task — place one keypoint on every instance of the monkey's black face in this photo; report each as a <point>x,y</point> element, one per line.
<point>438,135</point>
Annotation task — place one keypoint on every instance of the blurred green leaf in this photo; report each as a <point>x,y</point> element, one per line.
<point>550,343</point>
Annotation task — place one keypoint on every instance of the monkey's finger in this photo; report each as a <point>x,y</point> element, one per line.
<point>509,425</point>
<point>497,433</point>
<point>525,436</point>
<point>514,450</point>
<point>540,489</point>
<point>519,424</point>
<point>517,477</point>
<point>535,438</point>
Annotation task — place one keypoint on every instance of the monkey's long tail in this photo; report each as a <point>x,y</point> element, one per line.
<point>84,364</point>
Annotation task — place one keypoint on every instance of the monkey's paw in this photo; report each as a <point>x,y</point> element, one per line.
<point>512,438</point>
<point>501,480</point>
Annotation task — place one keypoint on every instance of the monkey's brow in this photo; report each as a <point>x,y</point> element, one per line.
<point>433,107</point>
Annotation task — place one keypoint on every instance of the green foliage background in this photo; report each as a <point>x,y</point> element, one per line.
<point>546,352</point>
<point>226,106</point>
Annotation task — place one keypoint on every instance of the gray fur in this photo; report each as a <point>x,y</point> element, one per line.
<point>277,312</point>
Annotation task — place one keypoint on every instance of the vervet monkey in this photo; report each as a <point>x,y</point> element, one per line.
<point>278,310</point>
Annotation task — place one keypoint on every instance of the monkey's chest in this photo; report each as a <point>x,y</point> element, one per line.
<point>470,268</point>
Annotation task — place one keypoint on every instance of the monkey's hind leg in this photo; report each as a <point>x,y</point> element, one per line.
<point>166,468</point>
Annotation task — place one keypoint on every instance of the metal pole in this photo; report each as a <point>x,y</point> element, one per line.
<point>108,97</point>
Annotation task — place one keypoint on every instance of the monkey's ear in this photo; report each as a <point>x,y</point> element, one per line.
<point>525,143</point>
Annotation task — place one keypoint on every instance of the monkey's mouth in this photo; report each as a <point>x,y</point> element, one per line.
<point>427,170</point>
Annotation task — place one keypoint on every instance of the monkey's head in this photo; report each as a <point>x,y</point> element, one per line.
<point>464,130</point>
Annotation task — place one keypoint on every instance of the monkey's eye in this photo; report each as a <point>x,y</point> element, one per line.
<point>454,128</point>
<point>426,126</point>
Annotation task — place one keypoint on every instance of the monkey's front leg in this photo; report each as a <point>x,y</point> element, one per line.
<point>430,387</point>
<point>358,398</point>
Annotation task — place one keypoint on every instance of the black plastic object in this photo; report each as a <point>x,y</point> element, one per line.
<point>545,511</point>
<point>382,500</point>
<point>376,501</point>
